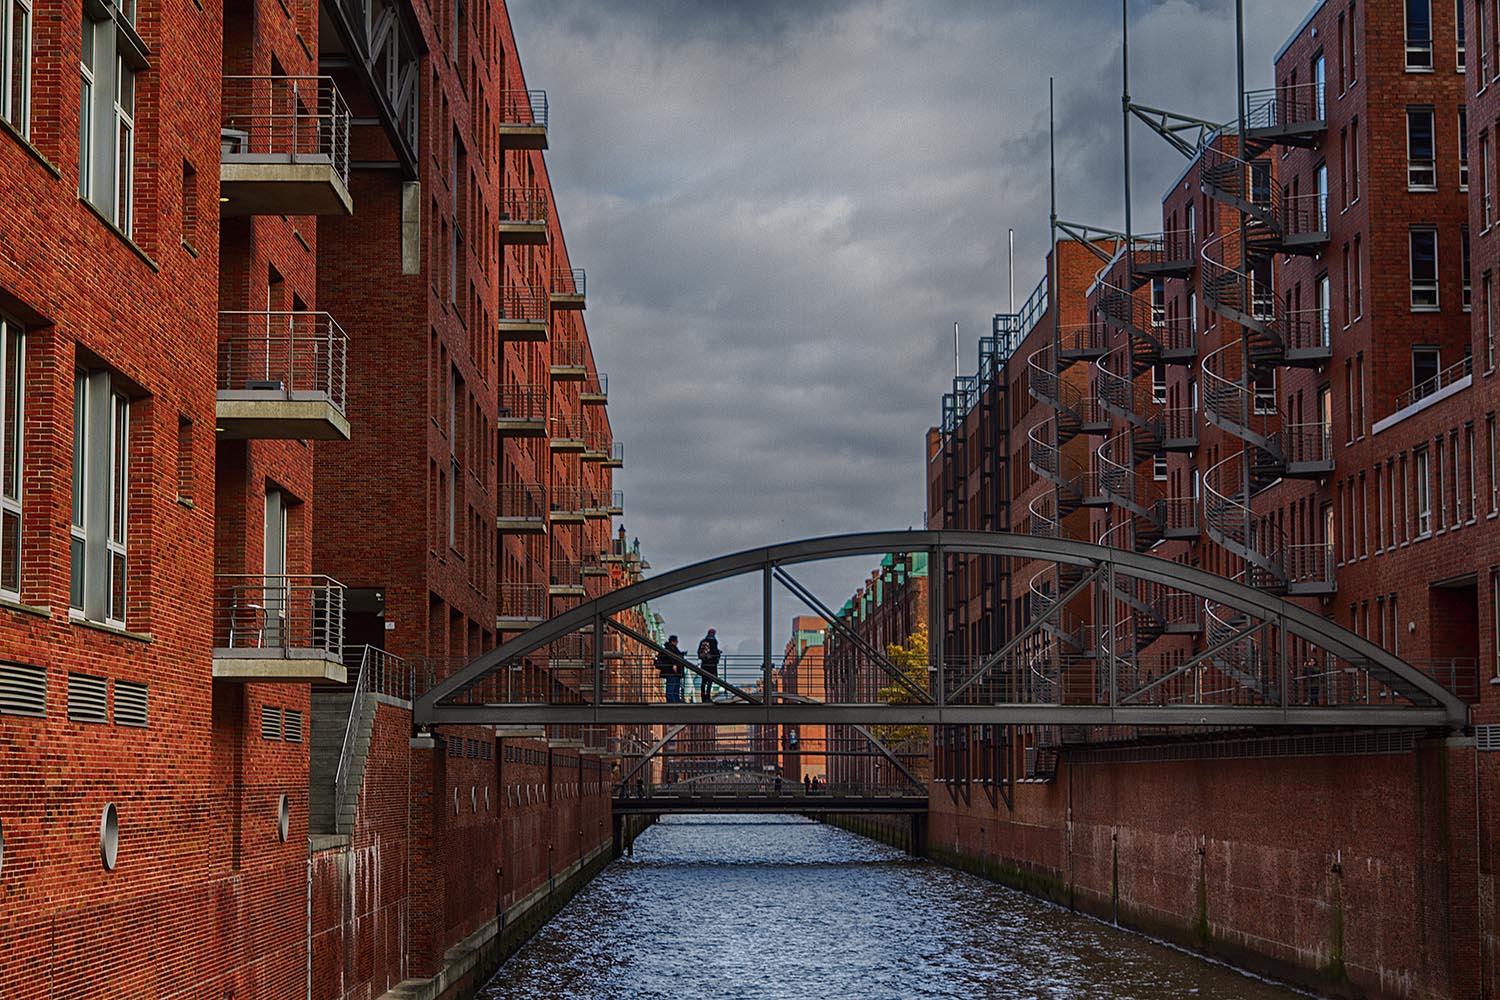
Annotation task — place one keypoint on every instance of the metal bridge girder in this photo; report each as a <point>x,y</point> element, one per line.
<point>437,705</point>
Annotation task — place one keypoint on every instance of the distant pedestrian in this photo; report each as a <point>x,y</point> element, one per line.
<point>807,784</point>
<point>708,660</point>
<point>669,663</point>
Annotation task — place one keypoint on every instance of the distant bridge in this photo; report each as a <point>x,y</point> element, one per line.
<point>1086,653</point>
<point>716,794</point>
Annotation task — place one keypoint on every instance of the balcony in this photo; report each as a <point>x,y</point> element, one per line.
<point>569,361</point>
<point>597,448</point>
<point>601,504</point>
<point>1309,569</point>
<point>1286,115</point>
<point>523,119</point>
<point>522,509</point>
<point>566,505</point>
<point>523,411</point>
<point>523,314</point>
<point>521,605</point>
<point>1308,450</point>
<point>567,288</point>
<point>279,629</point>
<point>284,147</point>
<point>616,459</point>
<point>523,217</point>
<point>597,565</point>
<point>281,377</point>
<point>595,389</point>
<point>566,579</point>
<point>569,433</point>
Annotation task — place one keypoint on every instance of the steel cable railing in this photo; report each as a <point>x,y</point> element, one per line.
<point>293,119</point>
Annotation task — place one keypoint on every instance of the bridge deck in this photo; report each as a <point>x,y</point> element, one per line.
<point>661,804</point>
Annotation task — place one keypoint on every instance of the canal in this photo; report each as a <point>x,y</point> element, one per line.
<point>781,907</point>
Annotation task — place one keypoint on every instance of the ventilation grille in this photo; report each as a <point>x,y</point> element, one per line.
<point>291,726</point>
<point>23,689</point>
<point>87,698</point>
<point>130,704</point>
<point>270,722</point>
<point>1487,738</point>
<point>455,748</point>
<point>473,748</point>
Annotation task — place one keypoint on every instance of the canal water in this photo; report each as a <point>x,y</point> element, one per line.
<point>781,908</point>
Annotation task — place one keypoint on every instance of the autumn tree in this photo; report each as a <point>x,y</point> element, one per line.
<point>911,661</point>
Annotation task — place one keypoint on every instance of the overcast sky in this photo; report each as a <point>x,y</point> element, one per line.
<point>784,206</point>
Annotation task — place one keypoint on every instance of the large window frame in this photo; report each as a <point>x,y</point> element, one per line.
<point>16,54</point>
<point>1419,36</point>
<point>1423,261</point>
<point>1421,149</point>
<point>12,450</point>
<point>1422,492</point>
<point>101,499</point>
<point>111,57</point>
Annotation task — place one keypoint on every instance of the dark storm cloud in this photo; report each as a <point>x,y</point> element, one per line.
<point>783,207</point>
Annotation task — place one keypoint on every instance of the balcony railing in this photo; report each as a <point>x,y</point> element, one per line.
<point>569,432</point>
<point>566,503</point>
<point>565,573</point>
<point>569,360</point>
<point>523,119</point>
<point>595,388</point>
<point>523,216</point>
<point>282,357</point>
<point>1441,380</point>
<point>522,502</point>
<point>523,313</point>
<point>270,123</point>
<point>523,405</point>
<point>616,457</point>
<point>1285,107</point>
<point>521,602</point>
<point>278,617</point>
<point>568,288</point>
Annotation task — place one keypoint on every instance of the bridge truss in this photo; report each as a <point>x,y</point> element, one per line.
<point>1107,636</point>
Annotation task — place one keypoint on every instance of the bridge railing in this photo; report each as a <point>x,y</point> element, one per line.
<point>788,788</point>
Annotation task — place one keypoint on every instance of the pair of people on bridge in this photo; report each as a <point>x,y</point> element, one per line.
<point>671,664</point>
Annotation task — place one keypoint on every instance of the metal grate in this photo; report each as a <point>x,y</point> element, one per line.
<point>455,748</point>
<point>1487,738</point>
<point>270,722</point>
<point>131,701</point>
<point>87,698</point>
<point>291,726</point>
<point>23,689</point>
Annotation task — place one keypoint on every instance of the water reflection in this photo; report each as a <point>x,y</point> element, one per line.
<point>781,908</point>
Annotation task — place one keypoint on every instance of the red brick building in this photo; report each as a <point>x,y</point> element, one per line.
<point>299,410</point>
<point>1311,413</point>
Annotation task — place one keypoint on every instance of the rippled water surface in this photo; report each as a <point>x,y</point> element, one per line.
<point>779,908</point>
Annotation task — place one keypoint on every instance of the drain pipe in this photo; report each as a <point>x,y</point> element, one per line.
<point>309,916</point>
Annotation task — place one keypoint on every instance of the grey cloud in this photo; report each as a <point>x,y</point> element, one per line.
<point>783,208</point>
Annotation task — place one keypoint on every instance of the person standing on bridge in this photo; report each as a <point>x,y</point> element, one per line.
<point>669,663</point>
<point>708,659</point>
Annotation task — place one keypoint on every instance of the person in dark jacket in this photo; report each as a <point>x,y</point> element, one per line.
<point>708,659</point>
<point>669,663</point>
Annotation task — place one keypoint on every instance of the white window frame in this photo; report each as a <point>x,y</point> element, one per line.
<point>100,531</point>
<point>1424,295</point>
<point>1463,147</point>
<point>1460,30</point>
<point>1418,50</point>
<point>1421,174</point>
<point>1485,209</point>
<point>1159,383</point>
<point>1423,492</point>
<point>16,108</point>
<point>111,58</point>
<point>12,450</point>
<point>1325,315</point>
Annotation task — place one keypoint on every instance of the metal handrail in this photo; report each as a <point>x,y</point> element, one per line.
<point>301,612</point>
<point>351,727</point>
<point>568,281</point>
<point>523,402</point>
<point>568,353</point>
<point>285,118</point>
<point>522,501</point>
<point>523,107</point>
<point>523,304</point>
<point>1441,380</point>
<point>1283,106</point>
<point>523,204</point>
<point>522,600</point>
<point>566,499</point>
<point>288,352</point>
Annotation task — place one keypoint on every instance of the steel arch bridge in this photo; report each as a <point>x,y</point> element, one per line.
<point>1095,647</point>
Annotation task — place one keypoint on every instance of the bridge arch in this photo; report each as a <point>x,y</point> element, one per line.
<point>1062,667</point>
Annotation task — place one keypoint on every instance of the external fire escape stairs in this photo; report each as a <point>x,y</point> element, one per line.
<point>340,719</point>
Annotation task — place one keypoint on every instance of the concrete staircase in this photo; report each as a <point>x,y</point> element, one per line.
<point>330,720</point>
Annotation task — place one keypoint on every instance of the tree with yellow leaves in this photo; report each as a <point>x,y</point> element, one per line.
<point>911,660</point>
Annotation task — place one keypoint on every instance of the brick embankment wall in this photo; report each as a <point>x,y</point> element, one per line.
<point>894,831</point>
<point>1354,875</point>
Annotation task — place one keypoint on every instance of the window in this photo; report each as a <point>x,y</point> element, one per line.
<point>1423,493</point>
<point>1458,21</point>
<point>1489,321</point>
<point>1485,211</point>
<point>1324,326</point>
<point>1344,55</point>
<point>15,64</point>
<point>1418,35</point>
<point>1265,392</point>
<point>1191,228</point>
<point>1466,264</point>
<point>1354,161</point>
<point>1320,176</point>
<point>1473,459</point>
<point>1159,467</point>
<point>101,449</point>
<point>1193,313</point>
<point>1425,365</point>
<point>1463,148</point>
<point>1343,168</point>
<point>1424,269</point>
<point>110,56</point>
<point>1421,154</point>
<point>1158,383</point>
<point>1479,41</point>
<point>189,205</point>
<point>1319,82</point>
<point>1353,49</point>
<point>1494,448</point>
<point>12,422</point>
<point>1359,278</point>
